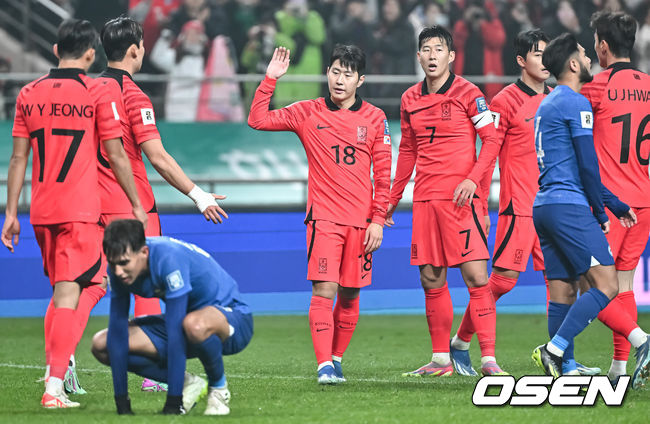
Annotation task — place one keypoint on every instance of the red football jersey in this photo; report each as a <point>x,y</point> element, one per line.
<point>514,111</point>
<point>138,125</point>
<point>341,146</point>
<point>64,114</point>
<point>439,136</point>
<point>620,99</point>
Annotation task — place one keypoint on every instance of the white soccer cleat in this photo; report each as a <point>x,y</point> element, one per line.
<point>57,401</point>
<point>194,388</point>
<point>218,400</point>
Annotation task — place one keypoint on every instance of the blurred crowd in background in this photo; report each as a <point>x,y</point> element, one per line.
<point>193,39</point>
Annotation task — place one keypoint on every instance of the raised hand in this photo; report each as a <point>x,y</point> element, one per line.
<point>279,63</point>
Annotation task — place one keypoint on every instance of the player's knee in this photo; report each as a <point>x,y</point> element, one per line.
<point>195,329</point>
<point>99,348</point>
<point>431,280</point>
<point>349,292</point>
<point>476,280</point>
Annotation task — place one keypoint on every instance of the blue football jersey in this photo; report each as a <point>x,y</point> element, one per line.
<point>177,268</point>
<point>562,116</point>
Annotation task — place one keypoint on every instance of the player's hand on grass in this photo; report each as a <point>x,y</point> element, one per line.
<point>389,215</point>
<point>123,404</point>
<point>214,212</point>
<point>374,236</point>
<point>10,232</point>
<point>279,63</point>
<point>464,192</point>
<point>629,219</point>
<point>605,227</point>
<point>141,215</point>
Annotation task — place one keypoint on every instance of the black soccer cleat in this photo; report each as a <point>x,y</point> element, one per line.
<point>551,364</point>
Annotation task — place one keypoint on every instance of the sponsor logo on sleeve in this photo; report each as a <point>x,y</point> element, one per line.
<point>147,117</point>
<point>174,281</point>
<point>386,129</point>
<point>481,104</point>
<point>586,119</point>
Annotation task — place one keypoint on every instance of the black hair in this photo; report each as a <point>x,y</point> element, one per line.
<point>528,41</point>
<point>349,56</point>
<point>557,53</point>
<point>617,28</point>
<point>75,37</point>
<point>122,235</point>
<point>118,35</point>
<point>436,31</point>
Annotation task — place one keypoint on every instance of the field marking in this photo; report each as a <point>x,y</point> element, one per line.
<point>258,376</point>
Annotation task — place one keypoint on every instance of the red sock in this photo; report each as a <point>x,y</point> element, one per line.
<point>617,318</point>
<point>483,312</point>
<point>321,323</point>
<point>62,340</point>
<point>440,316</point>
<point>346,316</point>
<point>87,300</point>
<point>47,326</point>
<point>146,306</point>
<point>621,345</point>
<point>499,285</point>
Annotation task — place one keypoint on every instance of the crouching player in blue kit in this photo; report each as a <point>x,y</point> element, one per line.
<point>205,318</point>
<point>570,233</point>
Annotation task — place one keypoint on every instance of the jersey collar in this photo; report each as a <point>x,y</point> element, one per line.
<point>117,74</point>
<point>67,73</point>
<point>355,107</point>
<point>619,66</point>
<point>445,87</point>
<point>527,90</point>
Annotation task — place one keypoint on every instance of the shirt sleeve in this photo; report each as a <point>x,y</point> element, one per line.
<point>590,175</point>
<point>175,275</point>
<point>501,118</point>
<point>118,336</point>
<point>175,311</point>
<point>261,118</point>
<point>408,153</point>
<point>381,162</point>
<point>107,121</point>
<point>483,121</point>
<point>141,117</point>
<point>20,126</point>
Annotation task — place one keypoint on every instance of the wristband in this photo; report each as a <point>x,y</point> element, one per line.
<point>201,199</point>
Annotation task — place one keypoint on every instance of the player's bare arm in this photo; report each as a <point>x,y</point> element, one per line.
<point>389,215</point>
<point>124,174</point>
<point>279,63</point>
<point>169,169</point>
<point>373,238</point>
<point>15,180</point>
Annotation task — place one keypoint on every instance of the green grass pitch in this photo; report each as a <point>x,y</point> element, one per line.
<point>274,381</point>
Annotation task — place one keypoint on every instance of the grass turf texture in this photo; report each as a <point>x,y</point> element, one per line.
<point>274,379</point>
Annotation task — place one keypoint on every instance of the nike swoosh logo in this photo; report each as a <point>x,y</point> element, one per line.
<point>466,253</point>
<point>364,276</point>
<point>529,119</point>
<point>482,315</point>
<point>319,127</point>
<point>318,330</point>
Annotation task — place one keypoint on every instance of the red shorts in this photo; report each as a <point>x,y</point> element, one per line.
<point>336,253</point>
<point>628,243</point>
<point>445,235</point>
<point>516,240</point>
<point>71,251</point>
<point>153,229</point>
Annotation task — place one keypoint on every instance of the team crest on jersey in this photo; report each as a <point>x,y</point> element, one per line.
<point>174,281</point>
<point>362,135</point>
<point>147,117</point>
<point>446,111</point>
<point>586,119</point>
<point>386,139</point>
<point>481,104</point>
<point>414,251</point>
<point>519,256</point>
<point>322,265</point>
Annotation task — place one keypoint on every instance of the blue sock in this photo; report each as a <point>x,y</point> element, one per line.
<point>147,368</point>
<point>556,314</point>
<point>210,355</point>
<point>583,311</point>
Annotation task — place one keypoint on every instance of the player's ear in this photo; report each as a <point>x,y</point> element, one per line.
<point>132,51</point>
<point>452,56</point>
<point>362,78</point>
<point>55,50</point>
<point>90,55</point>
<point>521,61</point>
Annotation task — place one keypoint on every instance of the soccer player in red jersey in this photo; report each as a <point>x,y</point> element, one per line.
<point>619,99</point>
<point>122,40</point>
<point>440,118</point>
<point>343,137</point>
<point>63,117</point>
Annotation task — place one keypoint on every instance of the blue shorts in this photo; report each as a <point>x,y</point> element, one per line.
<point>241,332</point>
<point>571,240</point>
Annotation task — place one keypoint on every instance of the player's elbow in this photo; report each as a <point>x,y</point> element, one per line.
<point>255,124</point>
<point>99,347</point>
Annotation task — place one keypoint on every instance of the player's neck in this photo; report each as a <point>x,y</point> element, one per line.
<point>612,60</point>
<point>537,86</point>
<point>73,64</point>
<point>122,66</point>
<point>573,83</point>
<point>433,85</point>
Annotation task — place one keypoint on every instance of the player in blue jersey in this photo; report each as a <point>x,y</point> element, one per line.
<point>571,234</point>
<point>205,317</point>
